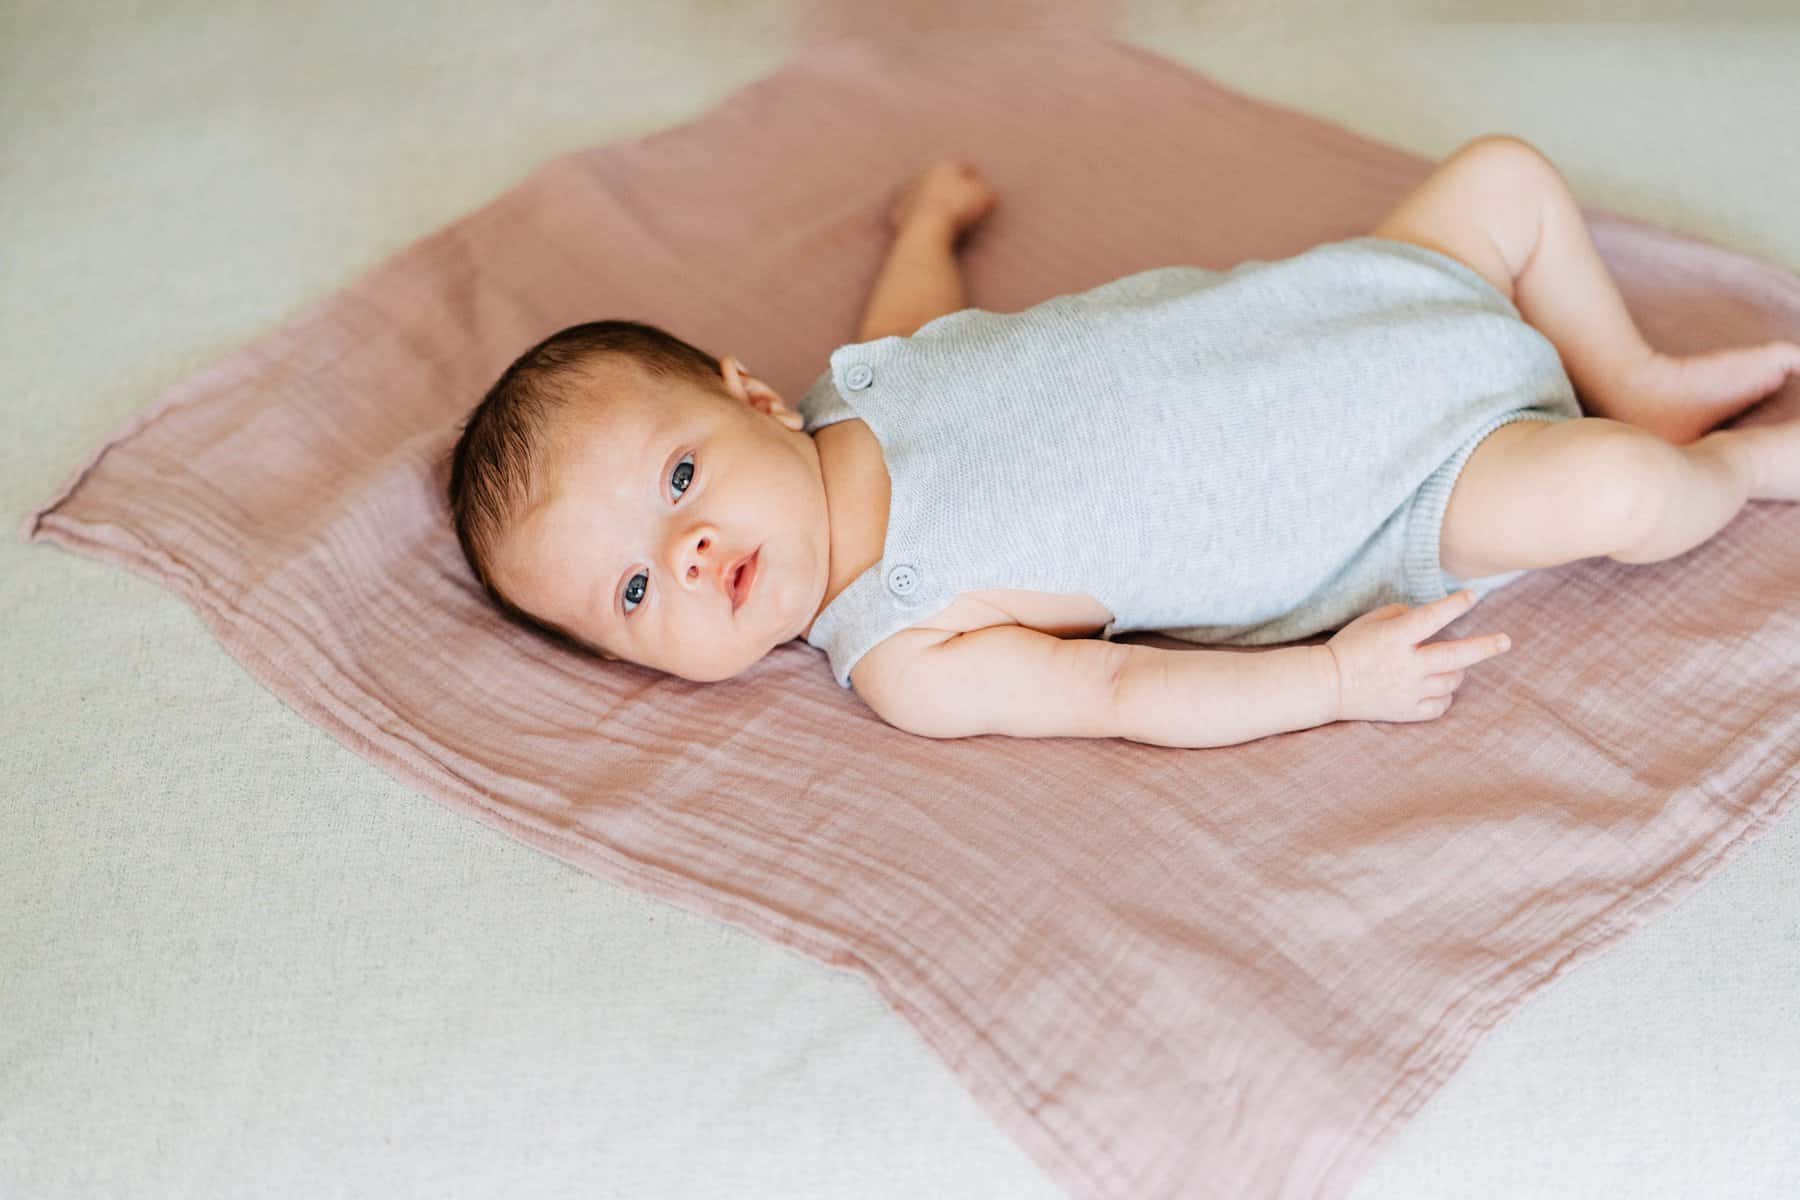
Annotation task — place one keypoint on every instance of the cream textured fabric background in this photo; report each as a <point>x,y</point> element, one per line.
<point>238,960</point>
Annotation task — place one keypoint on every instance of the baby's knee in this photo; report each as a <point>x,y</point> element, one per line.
<point>1632,482</point>
<point>1606,477</point>
<point>1508,156</point>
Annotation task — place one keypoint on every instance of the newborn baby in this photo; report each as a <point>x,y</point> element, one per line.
<point>1290,443</point>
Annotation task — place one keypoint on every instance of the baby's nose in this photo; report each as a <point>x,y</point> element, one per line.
<point>700,563</point>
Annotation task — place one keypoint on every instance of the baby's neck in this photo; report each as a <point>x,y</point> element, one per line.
<point>857,497</point>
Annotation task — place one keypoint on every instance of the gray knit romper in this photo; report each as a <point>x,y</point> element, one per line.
<point>1235,457</point>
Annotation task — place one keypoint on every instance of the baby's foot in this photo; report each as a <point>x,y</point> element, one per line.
<point>1680,398</point>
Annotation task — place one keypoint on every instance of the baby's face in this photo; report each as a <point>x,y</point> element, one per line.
<point>647,507</point>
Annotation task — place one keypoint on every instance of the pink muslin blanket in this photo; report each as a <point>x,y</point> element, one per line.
<point>1194,973</point>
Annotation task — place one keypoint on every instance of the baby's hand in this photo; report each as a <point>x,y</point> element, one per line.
<point>951,190</point>
<point>1385,675</point>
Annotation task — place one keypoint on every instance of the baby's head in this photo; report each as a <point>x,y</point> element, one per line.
<point>606,484</point>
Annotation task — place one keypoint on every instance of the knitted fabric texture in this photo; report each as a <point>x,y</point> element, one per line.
<point>1234,457</point>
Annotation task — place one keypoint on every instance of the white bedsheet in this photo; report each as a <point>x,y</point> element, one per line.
<point>237,960</point>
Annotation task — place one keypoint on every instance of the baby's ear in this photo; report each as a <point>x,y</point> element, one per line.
<point>764,398</point>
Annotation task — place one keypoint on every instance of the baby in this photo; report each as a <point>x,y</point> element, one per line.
<point>633,496</point>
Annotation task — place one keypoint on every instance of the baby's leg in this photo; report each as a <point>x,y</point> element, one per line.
<point>1541,493</point>
<point>1500,206</point>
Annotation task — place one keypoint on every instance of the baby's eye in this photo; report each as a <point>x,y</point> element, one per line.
<point>633,592</point>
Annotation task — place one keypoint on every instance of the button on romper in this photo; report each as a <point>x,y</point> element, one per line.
<point>1237,457</point>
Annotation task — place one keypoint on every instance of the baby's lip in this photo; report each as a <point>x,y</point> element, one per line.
<point>750,563</point>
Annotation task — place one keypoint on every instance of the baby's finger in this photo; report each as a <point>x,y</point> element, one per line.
<point>1427,619</point>
<point>1464,652</point>
<point>1386,610</point>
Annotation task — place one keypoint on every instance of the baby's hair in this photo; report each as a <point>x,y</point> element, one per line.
<point>498,460</point>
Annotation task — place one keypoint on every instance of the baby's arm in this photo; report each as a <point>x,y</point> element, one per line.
<point>922,279</point>
<point>1199,698</point>
<point>1019,682</point>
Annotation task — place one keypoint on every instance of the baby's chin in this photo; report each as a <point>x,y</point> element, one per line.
<point>716,674</point>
